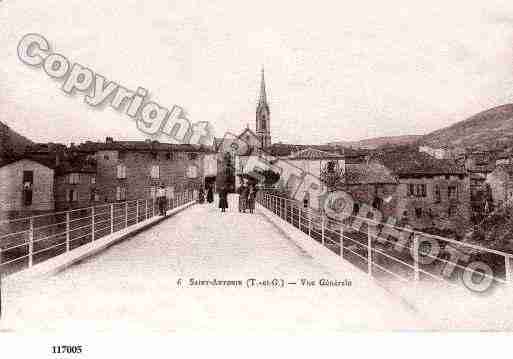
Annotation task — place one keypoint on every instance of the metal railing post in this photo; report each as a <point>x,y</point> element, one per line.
<point>146,208</point>
<point>322,229</point>
<point>416,249</point>
<point>299,217</point>
<point>126,214</point>
<point>31,242</point>
<point>341,240</point>
<point>369,250</point>
<point>507,270</point>
<point>93,230</point>
<point>309,224</point>
<point>137,211</point>
<point>67,231</point>
<point>112,218</point>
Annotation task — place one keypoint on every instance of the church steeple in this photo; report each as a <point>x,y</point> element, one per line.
<point>262,98</point>
<point>263,116</point>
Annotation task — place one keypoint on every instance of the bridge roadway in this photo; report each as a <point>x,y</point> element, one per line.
<point>133,285</point>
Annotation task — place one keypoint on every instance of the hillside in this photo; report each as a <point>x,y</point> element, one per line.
<point>372,143</point>
<point>11,142</point>
<point>492,128</point>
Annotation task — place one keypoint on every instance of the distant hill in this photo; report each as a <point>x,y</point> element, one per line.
<point>11,142</point>
<point>372,143</point>
<point>490,129</point>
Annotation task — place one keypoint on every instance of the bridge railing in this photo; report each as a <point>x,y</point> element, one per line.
<point>411,256</point>
<point>27,241</point>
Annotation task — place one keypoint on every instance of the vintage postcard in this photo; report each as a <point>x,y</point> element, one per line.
<point>206,167</point>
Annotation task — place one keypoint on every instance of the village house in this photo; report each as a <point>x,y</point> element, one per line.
<point>431,193</point>
<point>504,158</point>
<point>501,184</point>
<point>372,184</point>
<point>75,183</point>
<point>26,187</point>
<point>128,170</point>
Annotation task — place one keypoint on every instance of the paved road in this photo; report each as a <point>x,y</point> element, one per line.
<point>133,285</point>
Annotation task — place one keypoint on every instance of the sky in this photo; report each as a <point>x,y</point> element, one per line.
<point>335,70</point>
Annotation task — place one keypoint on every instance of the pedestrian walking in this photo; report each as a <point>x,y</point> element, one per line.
<point>223,199</point>
<point>201,195</point>
<point>252,198</point>
<point>243,197</point>
<point>210,194</point>
<point>161,200</point>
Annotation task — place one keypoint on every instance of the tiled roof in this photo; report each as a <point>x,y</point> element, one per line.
<point>286,149</point>
<point>313,154</point>
<point>374,173</point>
<point>76,165</point>
<point>418,163</point>
<point>139,146</point>
<point>43,161</point>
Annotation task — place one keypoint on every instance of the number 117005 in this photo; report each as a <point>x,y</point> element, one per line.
<point>66,349</point>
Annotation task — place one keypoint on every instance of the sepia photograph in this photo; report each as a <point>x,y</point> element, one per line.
<point>188,167</point>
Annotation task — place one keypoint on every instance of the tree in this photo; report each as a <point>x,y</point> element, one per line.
<point>332,174</point>
<point>270,177</point>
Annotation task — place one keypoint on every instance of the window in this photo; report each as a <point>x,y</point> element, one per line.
<point>93,180</point>
<point>72,195</point>
<point>28,182</point>
<point>155,172</point>
<point>94,196</point>
<point>120,193</point>
<point>377,203</point>
<point>192,172</point>
<point>451,211</point>
<point>121,171</point>
<point>106,157</point>
<point>169,156</point>
<point>330,167</point>
<point>452,192</point>
<point>417,190</point>
<point>418,212</point>
<point>356,208</point>
<point>438,197</point>
<point>420,190</point>
<point>74,178</point>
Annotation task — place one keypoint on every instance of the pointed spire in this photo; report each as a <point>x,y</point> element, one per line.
<point>262,98</point>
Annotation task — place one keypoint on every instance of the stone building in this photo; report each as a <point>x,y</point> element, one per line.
<point>26,187</point>
<point>75,183</point>
<point>501,184</point>
<point>128,170</point>
<point>431,193</point>
<point>372,184</point>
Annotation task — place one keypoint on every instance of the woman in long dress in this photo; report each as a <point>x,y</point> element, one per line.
<point>223,199</point>
<point>201,195</point>
<point>252,198</point>
<point>210,194</point>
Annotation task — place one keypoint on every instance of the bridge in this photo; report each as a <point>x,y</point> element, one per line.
<point>203,270</point>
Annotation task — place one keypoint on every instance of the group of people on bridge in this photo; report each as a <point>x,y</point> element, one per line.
<point>247,197</point>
